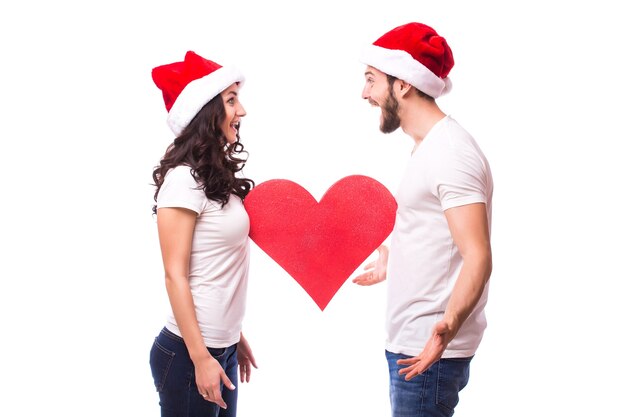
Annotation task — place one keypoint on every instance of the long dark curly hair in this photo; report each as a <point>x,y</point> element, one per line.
<point>213,161</point>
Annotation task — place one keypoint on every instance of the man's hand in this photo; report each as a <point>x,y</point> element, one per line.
<point>375,271</point>
<point>437,343</point>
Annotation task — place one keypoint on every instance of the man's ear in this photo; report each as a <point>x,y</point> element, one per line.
<point>403,88</point>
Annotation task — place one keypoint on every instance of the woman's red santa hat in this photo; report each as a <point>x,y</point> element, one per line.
<point>414,53</point>
<point>188,85</point>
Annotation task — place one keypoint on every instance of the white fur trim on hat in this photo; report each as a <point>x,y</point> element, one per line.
<point>402,65</point>
<point>198,93</point>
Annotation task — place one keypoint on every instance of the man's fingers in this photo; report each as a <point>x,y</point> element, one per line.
<point>362,279</point>
<point>364,282</point>
<point>415,372</point>
<point>368,278</point>
<point>406,370</point>
<point>410,372</point>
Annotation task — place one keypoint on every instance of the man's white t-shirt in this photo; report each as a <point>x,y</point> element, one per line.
<point>218,268</point>
<point>446,170</point>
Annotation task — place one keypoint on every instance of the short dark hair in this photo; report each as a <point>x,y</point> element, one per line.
<point>391,79</point>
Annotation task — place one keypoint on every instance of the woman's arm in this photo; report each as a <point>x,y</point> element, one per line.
<point>176,227</point>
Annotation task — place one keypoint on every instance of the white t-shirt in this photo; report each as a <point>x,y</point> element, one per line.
<point>447,169</point>
<point>218,268</point>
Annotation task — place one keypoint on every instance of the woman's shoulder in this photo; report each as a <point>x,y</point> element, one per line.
<point>180,173</point>
<point>180,189</point>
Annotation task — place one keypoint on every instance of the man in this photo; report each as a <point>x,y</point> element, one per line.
<point>439,257</point>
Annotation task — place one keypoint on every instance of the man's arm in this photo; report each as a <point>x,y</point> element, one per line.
<point>470,231</point>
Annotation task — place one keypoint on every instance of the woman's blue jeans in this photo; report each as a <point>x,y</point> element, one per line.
<point>433,393</point>
<point>175,381</point>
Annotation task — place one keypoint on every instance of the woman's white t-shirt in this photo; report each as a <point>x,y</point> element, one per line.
<point>218,267</point>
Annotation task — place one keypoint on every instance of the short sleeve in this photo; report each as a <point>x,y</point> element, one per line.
<point>461,179</point>
<point>180,189</point>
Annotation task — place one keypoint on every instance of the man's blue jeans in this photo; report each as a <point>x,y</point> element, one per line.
<point>433,393</point>
<point>175,381</point>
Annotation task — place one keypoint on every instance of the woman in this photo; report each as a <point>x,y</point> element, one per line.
<point>203,233</point>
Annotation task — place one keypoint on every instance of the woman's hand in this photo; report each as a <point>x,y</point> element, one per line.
<point>246,359</point>
<point>209,376</point>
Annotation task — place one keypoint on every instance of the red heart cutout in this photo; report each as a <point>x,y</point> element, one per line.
<point>320,244</point>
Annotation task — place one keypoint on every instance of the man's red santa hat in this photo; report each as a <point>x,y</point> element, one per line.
<point>414,53</point>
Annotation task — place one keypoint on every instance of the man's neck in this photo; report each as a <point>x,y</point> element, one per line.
<point>418,120</point>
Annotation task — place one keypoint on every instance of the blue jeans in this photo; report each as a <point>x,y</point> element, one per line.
<point>175,381</point>
<point>433,393</point>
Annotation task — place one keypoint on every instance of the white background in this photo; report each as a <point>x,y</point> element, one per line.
<point>540,85</point>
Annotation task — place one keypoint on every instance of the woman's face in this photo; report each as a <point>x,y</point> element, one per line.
<point>234,113</point>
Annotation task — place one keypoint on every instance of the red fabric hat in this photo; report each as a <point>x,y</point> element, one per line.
<point>414,53</point>
<point>187,86</point>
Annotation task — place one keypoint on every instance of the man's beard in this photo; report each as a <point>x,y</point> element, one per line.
<point>389,109</point>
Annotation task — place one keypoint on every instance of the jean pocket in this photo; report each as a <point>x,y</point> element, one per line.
<point>452,377</point>
<point>160,362</point>
<point>217,353</point>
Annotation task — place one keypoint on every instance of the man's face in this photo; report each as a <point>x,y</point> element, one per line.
<point>378,92</point>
